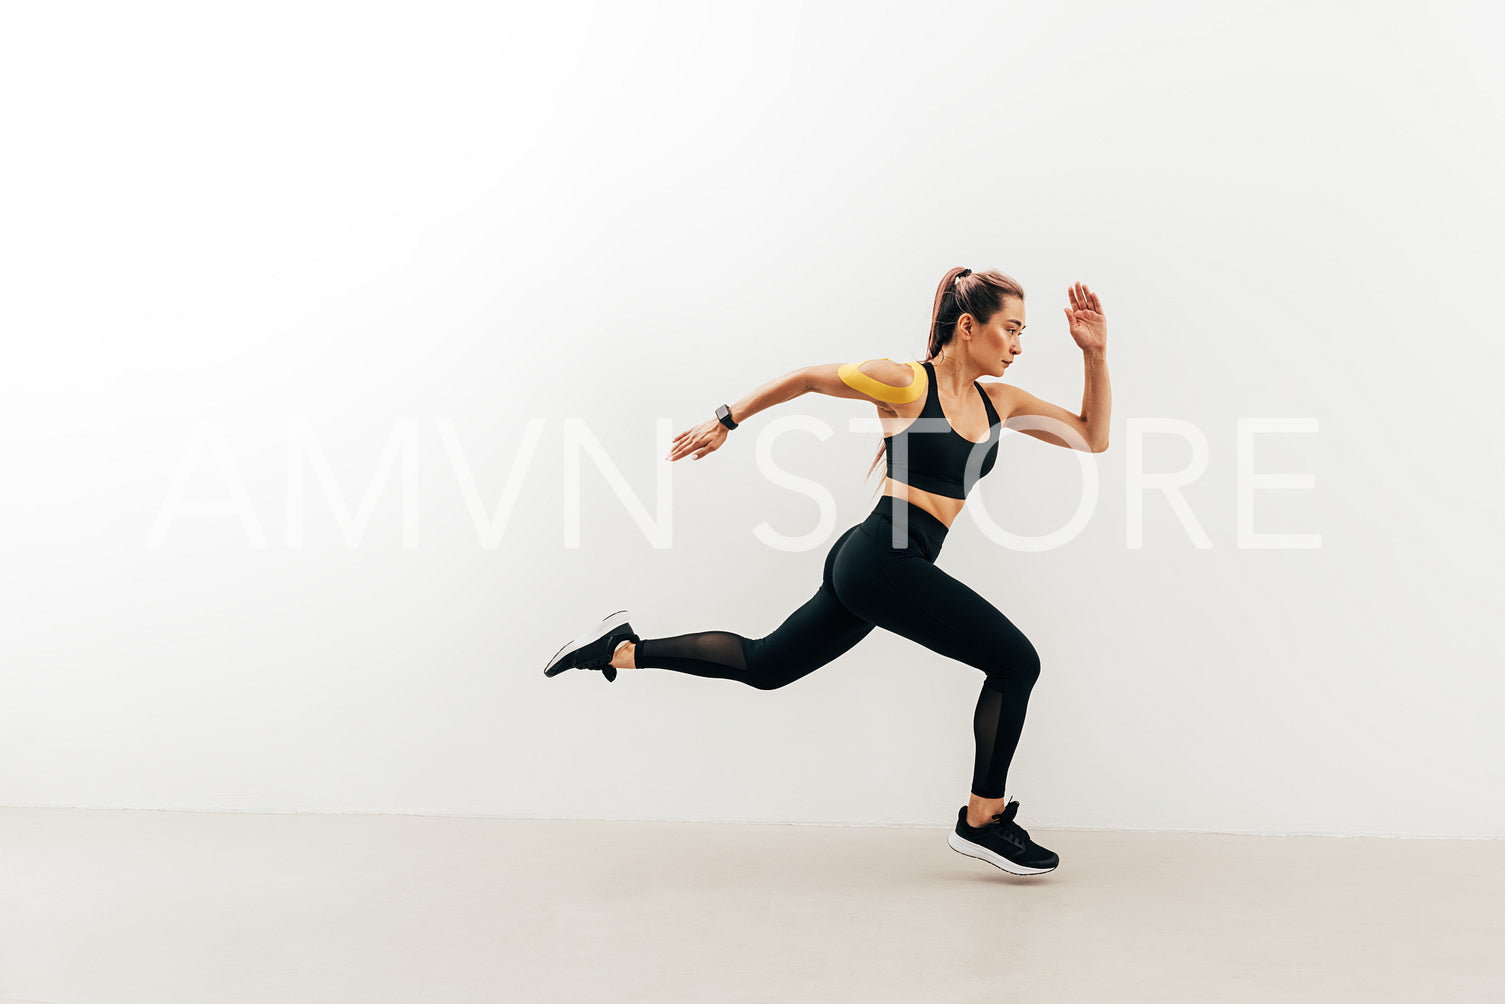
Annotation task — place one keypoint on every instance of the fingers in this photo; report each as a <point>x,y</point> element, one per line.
<point>685,443</point>
<point>1083,298</point>
<point>697,440</point>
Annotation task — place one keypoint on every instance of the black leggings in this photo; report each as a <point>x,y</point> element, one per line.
<point>872,581</point>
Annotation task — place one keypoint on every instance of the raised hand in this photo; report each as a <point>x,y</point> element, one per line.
<point>1089,328</point>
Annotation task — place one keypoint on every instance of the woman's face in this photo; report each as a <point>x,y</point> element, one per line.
<point>995,345</point>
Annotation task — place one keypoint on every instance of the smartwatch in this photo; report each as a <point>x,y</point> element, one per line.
<point>725,414</point>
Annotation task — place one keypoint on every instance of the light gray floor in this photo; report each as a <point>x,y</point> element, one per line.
<point>116,907</point>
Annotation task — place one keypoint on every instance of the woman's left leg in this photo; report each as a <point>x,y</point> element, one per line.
<point>809,638</point>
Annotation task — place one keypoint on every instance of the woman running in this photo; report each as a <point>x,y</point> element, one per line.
<point>941,432</point>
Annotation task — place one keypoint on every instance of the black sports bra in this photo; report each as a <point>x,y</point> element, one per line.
<point>936,455</point>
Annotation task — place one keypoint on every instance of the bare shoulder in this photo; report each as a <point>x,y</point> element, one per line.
<point>881,381</point>
<point>886,370</point>
<point>1002,395</point>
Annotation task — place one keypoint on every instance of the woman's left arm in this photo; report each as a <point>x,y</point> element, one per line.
<point>1089,329</point>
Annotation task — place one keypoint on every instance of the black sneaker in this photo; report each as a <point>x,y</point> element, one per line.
<point>1003,843</point>
<point>594,648</point>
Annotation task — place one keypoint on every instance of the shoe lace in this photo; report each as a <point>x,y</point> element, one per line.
<point>604,663</point>
<point>1005,821</point>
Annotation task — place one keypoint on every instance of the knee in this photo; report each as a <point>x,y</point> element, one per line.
<point>1027,663</point>
<point>765,670</point>
<point>1017,665</point>
<point>770,681</point>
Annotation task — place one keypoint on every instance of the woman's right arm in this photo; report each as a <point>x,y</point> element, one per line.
<point>879,381</point>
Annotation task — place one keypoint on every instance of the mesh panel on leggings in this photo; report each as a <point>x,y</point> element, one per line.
<point>716,654</point>
<point>996,725</point>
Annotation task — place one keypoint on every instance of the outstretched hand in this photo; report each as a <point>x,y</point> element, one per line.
<point>704,438</point>
<point>1089,328</point>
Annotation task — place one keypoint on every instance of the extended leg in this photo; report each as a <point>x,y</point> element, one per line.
<point>812,636</point>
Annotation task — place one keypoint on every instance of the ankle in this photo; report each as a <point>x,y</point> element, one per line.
<point>980,811</point>
<point>624,656</point>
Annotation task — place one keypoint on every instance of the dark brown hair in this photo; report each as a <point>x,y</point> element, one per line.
<point>962,291</point>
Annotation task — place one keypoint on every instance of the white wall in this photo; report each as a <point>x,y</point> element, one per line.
<point>438,236</point>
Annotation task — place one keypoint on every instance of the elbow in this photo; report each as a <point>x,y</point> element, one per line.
<point>1102,448</point>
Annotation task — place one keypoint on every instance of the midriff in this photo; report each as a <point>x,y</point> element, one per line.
<point>941,507</point>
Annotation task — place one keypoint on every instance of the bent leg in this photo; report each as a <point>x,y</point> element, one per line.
<point>903,593</point>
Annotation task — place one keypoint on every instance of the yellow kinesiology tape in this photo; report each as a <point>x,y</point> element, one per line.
<point>858,380</point>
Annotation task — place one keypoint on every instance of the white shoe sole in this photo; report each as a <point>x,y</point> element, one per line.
<point>964,846</point>
<point>608,624</point>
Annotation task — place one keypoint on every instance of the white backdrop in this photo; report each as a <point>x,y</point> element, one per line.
<point>313,312</point>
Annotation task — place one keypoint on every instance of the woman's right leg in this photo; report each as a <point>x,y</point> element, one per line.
<point>809,638</point>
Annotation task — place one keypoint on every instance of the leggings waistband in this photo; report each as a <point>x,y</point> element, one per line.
<point>922,524</point>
